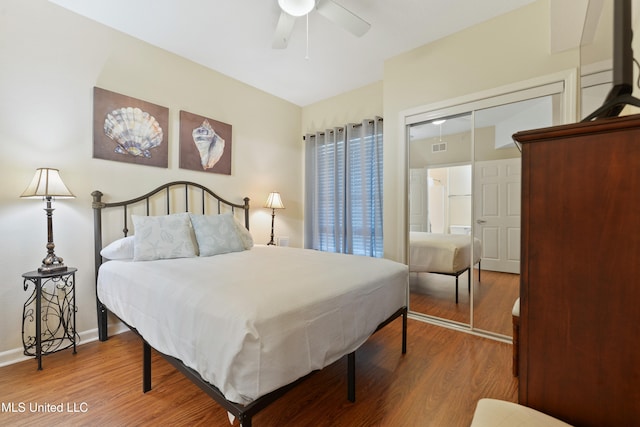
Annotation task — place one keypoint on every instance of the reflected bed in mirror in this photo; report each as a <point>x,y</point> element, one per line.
<point>464,175</point>
<point>447,254</point>
<point>440,219</point>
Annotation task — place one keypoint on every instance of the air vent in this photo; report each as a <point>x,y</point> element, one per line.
<point>441,146</point>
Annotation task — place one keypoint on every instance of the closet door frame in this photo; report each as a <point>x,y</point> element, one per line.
<point>563,83</point>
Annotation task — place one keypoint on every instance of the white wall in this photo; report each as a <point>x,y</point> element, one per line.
<point>51,60</point>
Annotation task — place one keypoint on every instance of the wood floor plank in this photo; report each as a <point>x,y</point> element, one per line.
<point>437,383</point>
<point>494,296</point>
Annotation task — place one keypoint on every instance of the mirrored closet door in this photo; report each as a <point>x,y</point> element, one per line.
<point>463,243</point>
<point>440,187</point>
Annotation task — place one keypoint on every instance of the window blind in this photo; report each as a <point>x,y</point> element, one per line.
<point>343,187</point>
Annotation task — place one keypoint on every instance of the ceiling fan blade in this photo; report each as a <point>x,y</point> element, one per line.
<point>343,17</point>
<point>283,31</point>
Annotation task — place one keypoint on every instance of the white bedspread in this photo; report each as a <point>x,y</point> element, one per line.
<point>250,322</point>
<point>441,253</point>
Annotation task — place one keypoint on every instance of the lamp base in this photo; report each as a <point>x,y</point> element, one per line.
<point>51,263</point>
<point>52,268</point>
<point>273,218</point>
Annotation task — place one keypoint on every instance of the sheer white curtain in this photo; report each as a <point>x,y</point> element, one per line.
<point>343,189</point>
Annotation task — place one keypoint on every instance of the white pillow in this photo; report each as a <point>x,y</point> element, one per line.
<point>119,249</point>
<point>245,235</point>
<point>162,237</point>
<point>216,234</point>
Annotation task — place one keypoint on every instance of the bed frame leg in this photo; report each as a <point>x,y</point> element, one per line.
<point>351,376</point>
<point>146,367</point>
<point>404,331</point>
<point>456,289</point>
<point>102,323</point>
<point>245,421</point>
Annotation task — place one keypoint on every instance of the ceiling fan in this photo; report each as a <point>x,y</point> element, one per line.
<point>292,9</point>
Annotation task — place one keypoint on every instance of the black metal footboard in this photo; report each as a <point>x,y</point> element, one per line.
<point>245,413</point>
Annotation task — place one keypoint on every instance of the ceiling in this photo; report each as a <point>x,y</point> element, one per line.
<point>234,37</point>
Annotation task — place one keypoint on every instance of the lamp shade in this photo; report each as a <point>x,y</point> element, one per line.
<point>47,183</point>
<point>274,201</point>
<point>297,7</point>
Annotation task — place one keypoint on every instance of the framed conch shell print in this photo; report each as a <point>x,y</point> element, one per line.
<point>205,144</point>
<point>129,130</point>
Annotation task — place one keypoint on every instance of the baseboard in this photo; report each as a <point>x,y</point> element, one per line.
<point>10,357</point>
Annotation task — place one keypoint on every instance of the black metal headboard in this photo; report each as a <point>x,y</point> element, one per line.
<point>173,197</point>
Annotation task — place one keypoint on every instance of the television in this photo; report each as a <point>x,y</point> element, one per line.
<point>620,94</point>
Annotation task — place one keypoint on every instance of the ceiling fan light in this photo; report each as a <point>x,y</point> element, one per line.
<point>297,7</point>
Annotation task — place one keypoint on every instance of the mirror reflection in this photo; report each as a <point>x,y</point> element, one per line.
<point>464,212</point>
<point>497,183</point>
<point>440,217</point>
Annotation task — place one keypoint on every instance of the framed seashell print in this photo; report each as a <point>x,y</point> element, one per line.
<point>129,130</point>
<point>205,144</point>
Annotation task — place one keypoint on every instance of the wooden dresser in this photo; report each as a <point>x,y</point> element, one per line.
<point>580,282</point>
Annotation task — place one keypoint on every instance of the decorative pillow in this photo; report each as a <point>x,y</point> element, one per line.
<point>119,249</point>
<point>245,235</point>
<point>162,237</point>
<point>216,234</point>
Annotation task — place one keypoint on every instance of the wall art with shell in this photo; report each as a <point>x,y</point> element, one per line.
<point>205,144</point>
<point>129,130</point>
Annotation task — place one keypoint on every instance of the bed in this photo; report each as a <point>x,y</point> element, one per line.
<point>244,335</point>
<point>447,254</point>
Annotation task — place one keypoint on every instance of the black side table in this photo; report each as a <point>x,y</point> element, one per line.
<point>54,298</point>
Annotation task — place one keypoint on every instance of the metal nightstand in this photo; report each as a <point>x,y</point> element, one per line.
<point>54,314</point>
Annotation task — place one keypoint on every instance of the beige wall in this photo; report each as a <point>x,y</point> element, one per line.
<point>484,148</point>
<point>351,107</point>
<point>458,151</point>
<point>51,60</point>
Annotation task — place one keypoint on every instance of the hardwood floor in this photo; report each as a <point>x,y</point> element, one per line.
<point>437,383</point>
<point>494,296</point>
<point>493,301</point>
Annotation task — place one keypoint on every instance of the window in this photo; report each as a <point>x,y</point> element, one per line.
<point>343,205</point>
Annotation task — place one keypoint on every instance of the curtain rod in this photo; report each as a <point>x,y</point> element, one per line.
<point>341,128</point>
